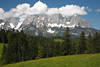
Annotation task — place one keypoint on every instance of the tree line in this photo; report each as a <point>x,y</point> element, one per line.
<point>19,46</point>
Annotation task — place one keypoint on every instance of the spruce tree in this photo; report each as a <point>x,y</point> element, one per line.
<point>90,46</point>
<point>96,42</point>
<point>3,55</point>
<point>67,45</point>
<point>82,43</point>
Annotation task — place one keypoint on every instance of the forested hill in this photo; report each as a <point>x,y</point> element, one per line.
<point>19,47</point>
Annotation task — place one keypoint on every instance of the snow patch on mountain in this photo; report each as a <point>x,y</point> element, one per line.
<point>56,25</point>
<point>12,26</point>
<point>50,31</point>
<point>61,25</point>
<point>19,25</point>
<point>2,24</point>
<point>67,22</point>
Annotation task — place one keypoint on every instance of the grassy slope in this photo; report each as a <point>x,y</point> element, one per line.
<point>89,60</point>
<point>1,46</point>
<point>58,40</point>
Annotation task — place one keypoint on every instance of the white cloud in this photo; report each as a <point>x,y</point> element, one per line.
<point>52,11</point>
<point>97,10</point>
<point>1,13</point>
<point>67,10</point>
<point>39,7</point>
<point>24,10</point>
<point>70,10</point>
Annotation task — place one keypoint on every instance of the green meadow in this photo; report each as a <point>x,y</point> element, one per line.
<point>85,60</point>
<point>1,46</point>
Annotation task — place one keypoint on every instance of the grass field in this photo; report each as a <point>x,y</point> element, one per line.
<point>58,40</point>
<point>87,60</point>
<point>1,46</point>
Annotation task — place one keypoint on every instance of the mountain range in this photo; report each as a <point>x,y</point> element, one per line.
<point>49,25</point>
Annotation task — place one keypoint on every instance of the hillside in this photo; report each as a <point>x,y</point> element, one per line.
<point>87,60</point>
<point>1,46</point>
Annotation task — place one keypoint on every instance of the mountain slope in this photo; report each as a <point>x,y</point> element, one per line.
<point>48,25</point>
<point>88,60</point>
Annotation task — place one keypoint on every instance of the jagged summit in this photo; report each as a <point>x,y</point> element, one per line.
<point>46,24</point>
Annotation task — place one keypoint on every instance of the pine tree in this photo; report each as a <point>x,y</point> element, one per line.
<point>67,45</point>
<point>57,50</point>
<point>33,48</point>
<point>3,55</point>
<point>12,48</point>
<point>96,42</point>
<point>3,36</point>
<point>90,46</point>
<point>49,45</point>
<point>82,43</point>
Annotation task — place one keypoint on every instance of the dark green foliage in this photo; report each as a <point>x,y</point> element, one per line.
<point>67,44</point>
<point>22,47</point>
<point>82,43</point>
<point>96,42</point>
<point>3,36</point>
<point>57,49</point>
<point>33,51</point>
<point>3,54</point>
<point>90,46</point>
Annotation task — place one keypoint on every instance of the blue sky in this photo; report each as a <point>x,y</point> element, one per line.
<point>93,17</point>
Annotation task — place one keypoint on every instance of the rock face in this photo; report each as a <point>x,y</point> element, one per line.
<point>56,20</point>
<point>49,25</point>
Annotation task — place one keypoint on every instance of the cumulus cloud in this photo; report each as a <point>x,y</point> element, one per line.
<point>67,10</point>
<point>70,10</point>
<point>24,10</point>
<point>1,13</point>
<point>51,11</point>
<point>39,7</point>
